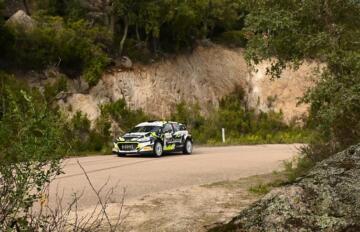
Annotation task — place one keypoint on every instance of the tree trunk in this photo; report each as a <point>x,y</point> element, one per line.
<point>137,32</point>
<point>26,6</point>
<point>206,20</point>
<point>205,28</point>
<point>126,27</point>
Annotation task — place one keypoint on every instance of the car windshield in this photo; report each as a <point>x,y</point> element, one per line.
<point>145,129</point>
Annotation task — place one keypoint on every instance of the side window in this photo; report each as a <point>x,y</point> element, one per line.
<point>176,127</point>
<point>182,127</point>
<point>167,128</point>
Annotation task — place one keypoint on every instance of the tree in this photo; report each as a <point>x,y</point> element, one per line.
<point>127,12</point>
<point>322,30</point>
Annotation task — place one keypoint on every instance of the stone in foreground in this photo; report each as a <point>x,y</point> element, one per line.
<point>327,199</point>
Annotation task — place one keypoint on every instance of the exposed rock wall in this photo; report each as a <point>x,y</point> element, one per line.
<point>282,93</point>
<point>327,199</point>
<point>205,76</point>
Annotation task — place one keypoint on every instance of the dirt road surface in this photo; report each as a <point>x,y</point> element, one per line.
<point>141,175</point>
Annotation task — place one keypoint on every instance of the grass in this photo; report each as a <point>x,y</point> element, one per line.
<point>297,167</point>
<point>255,184</point>
<point>293,169</point>
<point>260,189</point>
<point>286,137</point>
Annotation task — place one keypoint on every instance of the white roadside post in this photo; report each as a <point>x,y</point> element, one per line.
<point>223,134</point>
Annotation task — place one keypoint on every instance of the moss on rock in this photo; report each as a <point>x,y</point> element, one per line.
<point>326,199</point>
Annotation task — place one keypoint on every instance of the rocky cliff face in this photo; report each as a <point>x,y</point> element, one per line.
<point>204,77</point>
<point>327,199</point>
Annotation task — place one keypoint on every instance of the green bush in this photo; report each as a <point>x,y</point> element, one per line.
<point>51,90</point>
<point>32,142</point>
<point>75,46</point>
<point>138,51</point>
<point>86,138</point>
<point>260,189</point>
<point>79,131</point>
<point>242,124</point>
<point>291,32</point>
<point>297,167</point>
<point>123,115</point>
<point>232,38</point>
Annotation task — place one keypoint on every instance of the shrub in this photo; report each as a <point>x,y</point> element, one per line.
<point>242,124</point>
<point>86,138</point>
<point>138,51</point>
<point>232,38</point>
<point>51,90</point>
<point>75,46</point>
<point>260,189</point>
<point>32,141</point>
<point>297,167</point>
<point>123,115</point>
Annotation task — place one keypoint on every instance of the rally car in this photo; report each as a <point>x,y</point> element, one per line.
<point>154,137</point>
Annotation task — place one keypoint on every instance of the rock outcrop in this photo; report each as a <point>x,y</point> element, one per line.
<point>203,77</point>
<point>326,199</point>
<point>21,21</point>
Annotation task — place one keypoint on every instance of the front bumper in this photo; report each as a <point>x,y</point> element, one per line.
<point>144,147</point>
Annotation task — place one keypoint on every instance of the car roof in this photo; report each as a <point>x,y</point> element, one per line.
<point>154,123</point>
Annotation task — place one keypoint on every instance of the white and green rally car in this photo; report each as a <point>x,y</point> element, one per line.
<point>154,137</point>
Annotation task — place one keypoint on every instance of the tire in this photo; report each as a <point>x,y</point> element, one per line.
<point>188,147</point>
<point>158,149</point>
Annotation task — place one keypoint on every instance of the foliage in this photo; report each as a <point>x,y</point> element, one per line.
<point>81,37</point>
<point>297,167</point>
<point>232,38</point>
<point>260,189</point>
<point>32,140</point>
<point>51,90</point>
<point>327,31</point>
<point>242,124</point>
<point>96,136</point>
<point>88,138</point>
<point>123,115</point>
<point>76,47</point>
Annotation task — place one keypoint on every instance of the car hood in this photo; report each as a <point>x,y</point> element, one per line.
<point>135,135</point>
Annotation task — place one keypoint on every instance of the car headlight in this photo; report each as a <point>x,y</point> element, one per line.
<point>144,139</point>
<point>120,139</point>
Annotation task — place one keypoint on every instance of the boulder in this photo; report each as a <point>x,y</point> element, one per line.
<point>20,20</point>
<point>326,199</point>
<point>124,62</point>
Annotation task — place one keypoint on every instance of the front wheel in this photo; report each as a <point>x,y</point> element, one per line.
<point>188,147</point>
<point>158,149</point>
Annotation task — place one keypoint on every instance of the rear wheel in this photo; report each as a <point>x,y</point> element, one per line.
<point>158,149</point>
<point>188,147</point>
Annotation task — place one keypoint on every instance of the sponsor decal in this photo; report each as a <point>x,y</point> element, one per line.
<point>169,147</point>
<point>147,148</point>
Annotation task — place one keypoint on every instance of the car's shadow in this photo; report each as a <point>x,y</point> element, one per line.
<point>165,155</point>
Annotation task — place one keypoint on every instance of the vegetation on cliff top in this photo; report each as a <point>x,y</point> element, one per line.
<point>81,37</point>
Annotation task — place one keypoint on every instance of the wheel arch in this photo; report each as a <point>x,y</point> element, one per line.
<point>189,137</point>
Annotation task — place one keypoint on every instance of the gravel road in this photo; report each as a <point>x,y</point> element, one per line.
<point>141,175</point>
